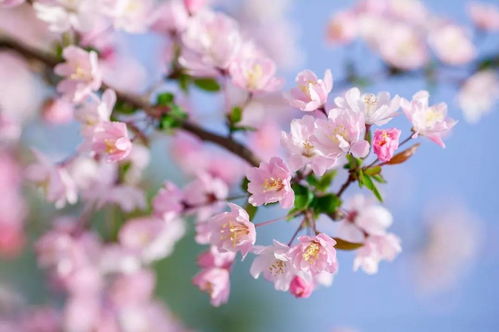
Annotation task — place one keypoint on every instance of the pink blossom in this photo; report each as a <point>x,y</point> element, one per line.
<point>385,142</point>
<point>300,287</point>
<point>110,139</point>
<point>255,74</point>
<point>150,237</point>
<point>63,15</point>
<point>95,110</point>
<point>451,44</point>
<point>205,189</point>
<point>378,109</point>
<point>194,6</point>
<point>265,140</point>
<point>216,258</point>
<point>343,132</point>
<point>315,254</point>
<point>54,180</point>
<point>10,130</point>
<point>214,281</point>
<point>58,111</point>
<point>485,15</point>
<point>10,3</point>
<point>229,231</point>
<point>342,28</point>
<point>12,239</point>
<point>212,42</point>
<point>170,17</point>
<point>168,200</point>
<point>269,183</point>
<point>133,16</point>
<point>275,263</point>
<point>429,121</point>
<point>364,217</point>
<point>376,248</point>
<point>301,151</point>
<point>479,94</point>
<point>81,71</point>
<point>311,92</point>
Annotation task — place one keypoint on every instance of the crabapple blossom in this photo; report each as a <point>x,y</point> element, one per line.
<point>168,200</point>
<point>300,287</point>
<point>132,16</point>
<point>81,73</point>
<point>343,132</point>
<point>58,111</point>
<point>194,6</point>
<point>385,142</point>
<point>170,17</point>
<point>311,92</point>
<point>10,3</point>
<point>314,254</point>
<point>95,111</point>
<point>485,15</point>
<point>479,94</point>
<point>378,109</point>
<point>451,44</point>
<point>429,121</point>
<point>110,139</point>
<point>301,152</point>
<point>214,281</point>
<point>269,183</point>
<point>342,27</point>
<point>254,74</point>
<point>228,231</point>
<point>276,265</point>
<point>63,15</point>
<point>216,258</point>
<point>375,249</point>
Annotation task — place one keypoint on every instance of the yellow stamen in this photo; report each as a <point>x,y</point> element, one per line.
<point>233,231</point>
<point>311,252</point>
<point>273,184</point>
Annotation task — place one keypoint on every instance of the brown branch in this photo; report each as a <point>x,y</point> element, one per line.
<point>51,60</point>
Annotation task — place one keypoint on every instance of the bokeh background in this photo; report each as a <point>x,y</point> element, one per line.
<point>445,206</point>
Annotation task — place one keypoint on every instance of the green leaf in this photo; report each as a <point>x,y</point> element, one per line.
<point>353,162</point>
<point>346,245</point>
<point>325,181</point>
<point>378,178</point>
<point>375,170</point>
<point>244,184</point>
<point>312,180</point>
<point>183,82</point>
<point>251,210</point>
<point>124,108</point>
<point>207,84</point>
<point>303,196</point>
<point>173,118</point>
<point>165,99</point>
<point>327,204</point>
<point>236,115</point>
<point>365,180</point>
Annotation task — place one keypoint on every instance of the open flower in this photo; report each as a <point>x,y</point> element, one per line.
<point>485,15</point>
<point>429,121</point>
<point>301,151</point>
<point>385,142</point>
<point>342,133</point>
<point>214,281</point>
<point>110,139</point>
<point>216,258</point>
<point>229,231</point>
<point>269,183</point>
<point>311,92</point>
<point>95,110</point>
<point>81,71</point>
<point>315,254</point>
<point>168,200</point>
<point>377,109</point>
<point>255,74</point>
<point>451,44</point>
<point>63,15</point>
<point>275,263</point>
<point>376,248</point>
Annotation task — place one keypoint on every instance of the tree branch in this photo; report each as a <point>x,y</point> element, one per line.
<point>50,60</point>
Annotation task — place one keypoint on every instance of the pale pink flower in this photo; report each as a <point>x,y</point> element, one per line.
<point>315,254</point>
<point>95,111</point>
<point>479,94</point>
<point>212,42</point>
<point>429,121</point>
<point>342,28</point>
<point>57,111</point>
<point>377,109</point>
<point>255,74</point>
<point>301,151</point>
<point>311,92</point>
<point>170,17</point>
<point>194,6</point>
<point>300,287</point>
<point>485,15</point>
<point>63,15</point>
<point>451,44</point>
<point>10,130</point>
<point>205,189</point>
<point>385,142</point>
<point>265,140</point>
<point>269,183</point>
<point>133,16</point>
<point>168,200</point>
<point>110,139</point>
<point>364,217</point>
<point>375,249</point>
<point>81,72</point>
<point>229,231</point>
<point>10,3</point>
<point>216,258</point>
<point>214,281</point>
<point>54,180</point>
<point>275,263</point>
<point>152,238</point>
<point>343,132</point>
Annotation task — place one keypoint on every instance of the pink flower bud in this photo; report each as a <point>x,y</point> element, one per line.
<point>300,288</point>
<point>386,141</point>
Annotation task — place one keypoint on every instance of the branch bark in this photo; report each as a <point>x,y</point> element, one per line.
<point>139,102</point>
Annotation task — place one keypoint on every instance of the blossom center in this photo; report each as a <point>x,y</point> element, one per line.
<point>254,74</point>
<point>273,184</point>
<point>80,74</point>
<point>233,231</point>
<point>277,268</point>
<point>311,252</point>
<point>308,149</point>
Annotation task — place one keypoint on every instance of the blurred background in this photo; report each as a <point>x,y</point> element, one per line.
<point>445,206</point>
